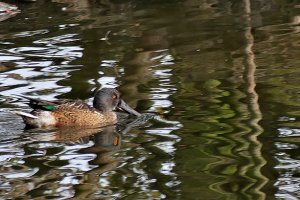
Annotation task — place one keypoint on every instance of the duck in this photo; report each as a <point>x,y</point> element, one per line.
<point>70,113</point>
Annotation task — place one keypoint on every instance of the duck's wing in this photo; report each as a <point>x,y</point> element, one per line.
<point>62,104</point>
<point>40,104</point>
<point>68,104</point>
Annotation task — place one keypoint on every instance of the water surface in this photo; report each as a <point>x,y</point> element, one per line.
<point>222,76</point>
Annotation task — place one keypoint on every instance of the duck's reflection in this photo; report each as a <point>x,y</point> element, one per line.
<point>104,142</point>
<point>95,149</point>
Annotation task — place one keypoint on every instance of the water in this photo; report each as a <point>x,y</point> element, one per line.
<point>222,77</point>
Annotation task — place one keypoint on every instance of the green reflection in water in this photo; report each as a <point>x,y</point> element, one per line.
<point>224,153</point>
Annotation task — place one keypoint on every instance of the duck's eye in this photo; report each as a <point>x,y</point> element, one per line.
<point>114,96</point>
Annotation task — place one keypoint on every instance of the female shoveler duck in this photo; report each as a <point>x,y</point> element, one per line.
<point>75,112</point>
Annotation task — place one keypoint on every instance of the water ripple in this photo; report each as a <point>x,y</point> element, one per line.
<point>57,40</point>
<point>48,52</point>
<point>288,132</point>
<point>31,33</point>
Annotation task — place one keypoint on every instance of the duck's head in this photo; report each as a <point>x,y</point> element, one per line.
<point>108,99</point>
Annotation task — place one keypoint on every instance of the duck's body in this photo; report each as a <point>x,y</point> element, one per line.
<point>67,113</point>
<point>76,112</point>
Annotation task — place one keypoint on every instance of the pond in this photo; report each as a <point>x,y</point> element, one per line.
<point>222,77</point>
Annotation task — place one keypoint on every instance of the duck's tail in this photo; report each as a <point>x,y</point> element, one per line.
<point>24,114</point>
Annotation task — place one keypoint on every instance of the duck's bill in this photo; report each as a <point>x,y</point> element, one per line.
<point>125,107</point>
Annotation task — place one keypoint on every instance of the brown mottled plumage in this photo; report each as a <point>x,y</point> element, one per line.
<point>75,112</point>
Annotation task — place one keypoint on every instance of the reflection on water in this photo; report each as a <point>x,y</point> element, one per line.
<point>220,76</point>
<point>89,162</point>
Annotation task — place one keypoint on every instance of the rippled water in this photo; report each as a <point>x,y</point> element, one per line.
<point>221,76</point>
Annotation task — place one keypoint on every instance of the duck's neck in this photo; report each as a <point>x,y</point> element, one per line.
<point>100,107</point>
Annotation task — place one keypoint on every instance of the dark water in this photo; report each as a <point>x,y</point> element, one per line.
<point>224,75</point>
